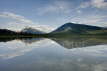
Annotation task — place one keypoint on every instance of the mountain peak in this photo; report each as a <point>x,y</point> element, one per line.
<point>76,28</point>
<point>69,23</point>
<point>31,30</point>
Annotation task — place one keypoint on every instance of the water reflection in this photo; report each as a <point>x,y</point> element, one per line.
<point>68,42</point>
<point>55,54</point>
<point>17,47</point>
<point>76,42</point>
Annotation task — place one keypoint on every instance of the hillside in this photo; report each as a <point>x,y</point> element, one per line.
<point>31,31</point>
<point>72,28</point>
<point>7,32</point>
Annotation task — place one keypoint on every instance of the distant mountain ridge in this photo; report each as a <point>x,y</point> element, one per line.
<point>76,28</point>
<point>66,29</point>
<point>30,30</point>
<point>6,32</point>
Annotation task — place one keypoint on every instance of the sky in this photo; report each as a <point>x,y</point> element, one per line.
<point>50,14</point>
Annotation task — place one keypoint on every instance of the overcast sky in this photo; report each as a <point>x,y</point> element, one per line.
<point>16,14</point>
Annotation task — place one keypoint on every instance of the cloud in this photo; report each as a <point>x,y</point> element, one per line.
<point>19,22</point>
<point>79,11</point>
<point>55,7</point>
<point>101,4</point>
<point>16,17</point>
<point>84,5</point>
<point>91,18</point>
<point>97,20</point>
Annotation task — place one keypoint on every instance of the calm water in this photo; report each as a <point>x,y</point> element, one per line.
<point>55,54</point>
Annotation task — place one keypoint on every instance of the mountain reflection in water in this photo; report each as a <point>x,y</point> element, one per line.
<point>53,54</point>
<point>76,42</point>
<point>68,42</point>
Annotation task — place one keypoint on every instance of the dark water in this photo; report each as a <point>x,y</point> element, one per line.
<point>53,54</point>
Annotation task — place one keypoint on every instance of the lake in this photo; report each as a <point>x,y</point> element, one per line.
<point>54,54</point>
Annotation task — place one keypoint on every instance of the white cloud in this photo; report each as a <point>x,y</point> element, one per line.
<point>16,17</point>
<point>101,4</point>
<point>19,22</point>
<point>96,20</point>
<point>79,11</point>
<point>91,19</point>
<point>55,7</point>
<point>84,5</point>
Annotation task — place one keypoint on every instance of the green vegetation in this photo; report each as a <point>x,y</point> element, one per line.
<point>96,33</point>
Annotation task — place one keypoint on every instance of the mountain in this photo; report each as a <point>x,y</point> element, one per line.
<point>7,32</point>
<point>76,28</point>
<point>32,31</point>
